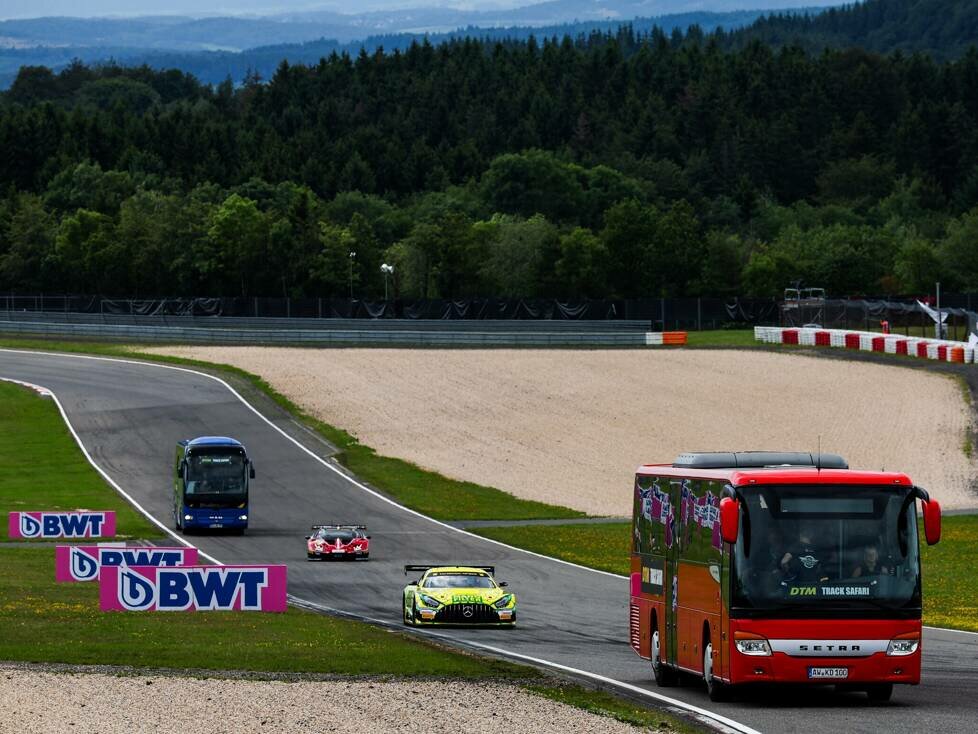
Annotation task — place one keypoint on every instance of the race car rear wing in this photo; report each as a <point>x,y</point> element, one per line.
<point>339,525</point>
<point>422,569</point>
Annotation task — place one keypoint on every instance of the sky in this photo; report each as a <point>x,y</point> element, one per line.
<point>93,8</point>
<point>10,9</point>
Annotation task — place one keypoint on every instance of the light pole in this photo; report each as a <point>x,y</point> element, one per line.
<point>353,256</point>
<point>387,270</point>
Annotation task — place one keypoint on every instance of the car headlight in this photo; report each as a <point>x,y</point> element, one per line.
<point>429,601</point>
<point>503,601</point>
<point>749,644</point>
<point>188,517</point>
<point>903,645</point>
<point>243,517</point>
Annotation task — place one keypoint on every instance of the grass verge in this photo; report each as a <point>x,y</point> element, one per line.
<point>950,584</point>
<point>46,622</point>
<point>425,491</point>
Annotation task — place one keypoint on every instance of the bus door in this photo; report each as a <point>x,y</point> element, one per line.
<point>673,629</point>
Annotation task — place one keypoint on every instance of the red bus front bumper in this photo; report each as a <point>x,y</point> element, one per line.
<point>795,667</point>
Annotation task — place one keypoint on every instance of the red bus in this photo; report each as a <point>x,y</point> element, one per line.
<point>777,567</point>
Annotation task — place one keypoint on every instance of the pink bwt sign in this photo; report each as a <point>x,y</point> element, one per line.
<point>83,562</point>
<point>77,524</point>
<point>193,588</point>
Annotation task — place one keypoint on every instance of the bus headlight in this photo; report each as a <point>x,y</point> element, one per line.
<point>903,645</point>
<point>751,644</point>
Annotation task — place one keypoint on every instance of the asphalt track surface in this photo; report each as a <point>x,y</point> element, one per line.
<point>129,416</point>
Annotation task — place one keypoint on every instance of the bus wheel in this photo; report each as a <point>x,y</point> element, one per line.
<point>715,689</point>
<point>663,674</point>
<point>880,692</point>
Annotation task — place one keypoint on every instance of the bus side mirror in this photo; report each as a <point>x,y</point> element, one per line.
<point>729,519</point>
<point>932,521</point>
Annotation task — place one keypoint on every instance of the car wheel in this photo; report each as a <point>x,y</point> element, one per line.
<point>880,692</point>
<point>715,689</point>
<point>664,675</point>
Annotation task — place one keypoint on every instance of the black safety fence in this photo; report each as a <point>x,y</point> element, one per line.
<point>659,314</point>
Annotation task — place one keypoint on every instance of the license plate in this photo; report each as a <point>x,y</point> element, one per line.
<point>216,525</point>
<point>828,672</point>
<point>339,551</point>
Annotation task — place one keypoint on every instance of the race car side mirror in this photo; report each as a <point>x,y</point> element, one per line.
<point>251,472</point>
<point>503,584</point>
<point>308,536</point>
<point>729,519</point>
<point>368,537</point>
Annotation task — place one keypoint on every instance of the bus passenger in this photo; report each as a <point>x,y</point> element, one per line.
<point>870,565</point>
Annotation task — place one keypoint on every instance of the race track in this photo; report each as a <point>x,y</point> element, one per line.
<point>129,416</point>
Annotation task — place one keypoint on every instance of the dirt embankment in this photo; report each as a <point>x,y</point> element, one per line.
<point>569,427</point>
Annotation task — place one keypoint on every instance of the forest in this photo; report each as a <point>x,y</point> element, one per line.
<point>615,165</point>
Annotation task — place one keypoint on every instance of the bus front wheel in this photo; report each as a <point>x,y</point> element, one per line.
<point>715,689</point>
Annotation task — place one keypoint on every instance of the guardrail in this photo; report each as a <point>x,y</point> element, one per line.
<point>870,341</point>
<point>338,324</point>
<point>341,337</point>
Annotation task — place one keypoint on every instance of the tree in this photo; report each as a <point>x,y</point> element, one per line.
<point>532,183</point>
<point>629,235</point>
<point>26,261</point>
<point>917,266</point>
<point>89,256</point>
<point>332,268</point>
<point>959,250</point>
<point>240,233</point>
<point>87,186</point>
<point>515,255</point>
<point>581,268</point>
<point>858,183</point>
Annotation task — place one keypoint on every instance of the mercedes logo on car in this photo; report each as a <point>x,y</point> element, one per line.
<point>467,611</point>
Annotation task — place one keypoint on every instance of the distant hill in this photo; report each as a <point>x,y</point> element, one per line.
<point>944,29</point>
<point>215,66</point>
<point>186,33</point>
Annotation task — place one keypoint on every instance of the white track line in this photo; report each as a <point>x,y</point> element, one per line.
<point>947,629</point>
<point>322,461</point>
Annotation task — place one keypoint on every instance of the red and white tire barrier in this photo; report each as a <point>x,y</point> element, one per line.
<point>869,341</point>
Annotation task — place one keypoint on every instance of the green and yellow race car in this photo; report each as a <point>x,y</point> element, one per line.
<point>458,595</point>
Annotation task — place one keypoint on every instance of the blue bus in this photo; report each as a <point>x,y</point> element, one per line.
<point>210,484</point>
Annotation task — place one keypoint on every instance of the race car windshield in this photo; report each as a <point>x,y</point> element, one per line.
<point>215,474</point>
<point>827,547</point>
<point>332,535</point>
<point>458,581</point>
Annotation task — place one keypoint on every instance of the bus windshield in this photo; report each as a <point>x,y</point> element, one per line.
<point>846,547</point>
<point>215,474</point>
